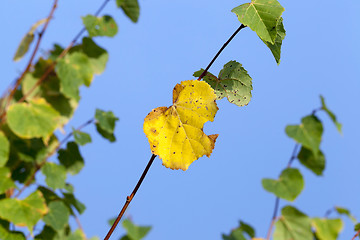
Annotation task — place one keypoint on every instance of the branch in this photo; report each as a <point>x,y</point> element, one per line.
<point>39,166</point>
<point>129,198</point>
<point>277,200</point>
<point>357,234</point>
<point>221,49</point>
<point>28,66</point>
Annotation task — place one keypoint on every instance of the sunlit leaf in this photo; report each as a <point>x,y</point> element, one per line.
<point>34,119</point>
<point>27,40</point>
<point>130,8</point>
<point>331,114</point>
<point>25,212</point>
<point>233,82</point>
<point>74,70</point>
<point>327,229</point>
<point>240,232</point>
<point>315,163</point>
<point>288,186</point>
<point>106,120</point>
<point>55,175</point>
<point>81,138</point>
<point>292,224</point>
<point>276,47</point>
<point>58,215</point>
<point>176,133</point>
<point>5,180</point>
<point>6,234</point>
<point>261,16</point>
<point>71,158</point>
<point>100,26</point>
<point>308,133</point>
<point>135,232</point>
<point>98,56</point>
<point>4,149</point>
<point>236,234</point>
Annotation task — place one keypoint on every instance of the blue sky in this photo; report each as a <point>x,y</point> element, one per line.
<point>172,39</point>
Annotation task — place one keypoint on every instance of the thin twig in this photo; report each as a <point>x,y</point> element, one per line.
<point>221,49</point>
<point>39,166</point>
<point>79,224</point>
<point>28,66</point>
<point>129,198</point>
<point>277,200</point>
<point>357,234</point>
<point>328,212</point>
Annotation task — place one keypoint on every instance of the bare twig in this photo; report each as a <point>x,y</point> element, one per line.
<point>221,49</point>
<point>38,166</point>
<point>129,198</point>
<point>357,234</point>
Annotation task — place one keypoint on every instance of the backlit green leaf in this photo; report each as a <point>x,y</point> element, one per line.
<point>288,186</point>
<point>106,120</point>
<point>25,212</point>
<point>27,40</point>
<point>76,235</point>
<point>6,234</point>
<point>5,180</point>
<point>100,26</point>
<point>74,70</point>
<point>346,212</point>
<point>34,119</point>
<point>135,232</point>
<point>308,133</point>
<point>81,138</point>
<point>4,149</point>
<point>292,224</point>
<point>312,162</point>
<point>55,175</point>
<point>327,229</point>
<point>58,215</point>
<point>331,114</point>
<point>70,200</point>
<point>47,233</point>
<point>71,158</point>
<point>239,233</point>
<point>109,136</point>
<point>98,56</point>
<point>261,16</point>
<point>130,8</point>
<point>280,35</point>
<point>233,82</point>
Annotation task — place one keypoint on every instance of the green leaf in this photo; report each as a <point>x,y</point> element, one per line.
<point>135,232</point>
<point>236,234</point>
<point>4,149</point>
<point>48,194</point>
<point>58,215</point>
<point>346,212</point>
<point>233,82</point>
<point>76,235</point>
<point>109,136</point>
<point>27,40</point>
<point>288,186</point>
<point>55,175</point>
<point>81,138</point>
<point>25,212</point>
<point>98,56</point>
<point>308,133</point>
<point>74,70</point>
<point>331,114</point>
<point>71,158</point>
<point>70,200</point>
<point>357,227</point>
<point>246,228</point>
<point>34,119</point>
<point>5,180</point>
<point>261,16</point>
<point>315,163</point>
<point>6,234</point>
<point>100,26</point>
<point>276,46</point>
<point>327,229</point>
<point>47,233</point>
<point>292,224</point>
<point>106,120</point>
<point>130,8</point>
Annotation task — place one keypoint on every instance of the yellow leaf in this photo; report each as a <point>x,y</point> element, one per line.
<point>176,133</point>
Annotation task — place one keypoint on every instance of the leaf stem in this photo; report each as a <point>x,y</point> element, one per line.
<point>357,234</point>
<point>28,66</point>
<point>129,198</point>
<point>221,49</point>
<point>277,200</point>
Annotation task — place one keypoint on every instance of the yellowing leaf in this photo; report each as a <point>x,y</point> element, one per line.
<point>176,133</point>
